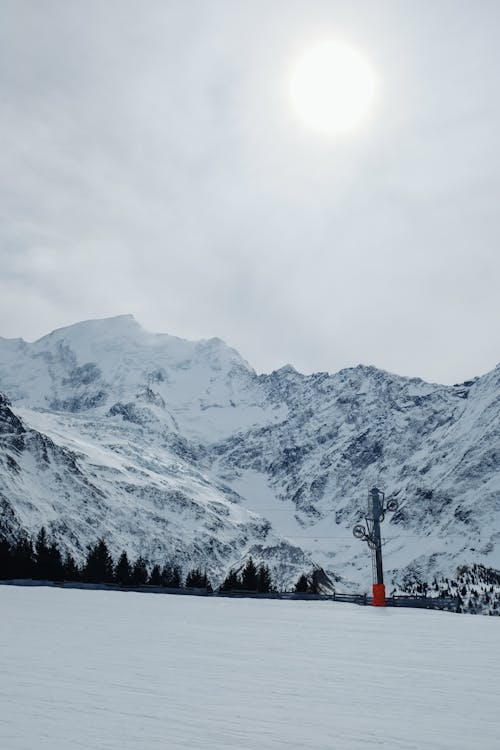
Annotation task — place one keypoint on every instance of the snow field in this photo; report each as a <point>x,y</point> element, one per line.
<point>100,670</point>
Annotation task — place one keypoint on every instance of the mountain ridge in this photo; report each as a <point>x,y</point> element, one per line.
<point>280,454</point>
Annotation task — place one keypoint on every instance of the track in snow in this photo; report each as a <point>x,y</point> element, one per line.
<point>124,671</point>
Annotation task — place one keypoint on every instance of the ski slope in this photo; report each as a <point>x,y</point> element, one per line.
<point>125,671</point>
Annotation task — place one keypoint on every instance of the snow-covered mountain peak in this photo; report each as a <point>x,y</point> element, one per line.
<point>287,369</point>
<point>108,366</point>
<point>123,338</point>
<point>118,325</point>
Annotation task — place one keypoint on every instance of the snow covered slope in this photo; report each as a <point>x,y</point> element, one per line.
<point>125,671</point>
<point>178,449</point>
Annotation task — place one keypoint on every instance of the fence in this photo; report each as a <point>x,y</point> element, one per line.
<point>450,604</point>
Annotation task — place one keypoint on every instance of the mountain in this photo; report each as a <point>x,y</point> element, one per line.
<point>179,449</point>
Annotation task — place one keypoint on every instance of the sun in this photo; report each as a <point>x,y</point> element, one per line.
<point>332,88</point>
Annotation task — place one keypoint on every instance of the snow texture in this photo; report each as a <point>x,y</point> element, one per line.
<point>177,449</point>
<point>122,671</point>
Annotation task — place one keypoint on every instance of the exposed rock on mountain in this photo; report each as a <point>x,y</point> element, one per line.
<point>178,449</point>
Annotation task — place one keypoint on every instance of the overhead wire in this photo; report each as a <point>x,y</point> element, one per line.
<point>321,536</point>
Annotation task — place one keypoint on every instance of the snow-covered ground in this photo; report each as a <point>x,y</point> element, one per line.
<point>124,671</point>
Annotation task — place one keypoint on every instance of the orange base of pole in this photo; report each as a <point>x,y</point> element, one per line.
<point>378,595</point>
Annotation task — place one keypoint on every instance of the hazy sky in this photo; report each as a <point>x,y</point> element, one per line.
<point>151,163</point>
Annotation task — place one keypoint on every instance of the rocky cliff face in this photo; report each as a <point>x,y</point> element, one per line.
<point>178,449</point>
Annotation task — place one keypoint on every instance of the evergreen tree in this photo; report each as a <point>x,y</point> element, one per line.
<point>176,581</point>
<point>302,585</point>
<point>123,573</point>
<point>99,564</point>
<point>195,579</point>
<point>171,577</point>
<point>71,571</point>
<point>139,575</point>
<point>42,556</point>
<point>231,582</point>
<point>313,583</point>
<point>23,558</point>
<point>6,562</point>
<point>264,580</point>
<point>155,576</point>
<point>249,579</point>
<point>55,564</point>
<point>166,577</point>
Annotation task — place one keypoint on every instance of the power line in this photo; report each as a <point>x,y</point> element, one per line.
<point>320,536</point>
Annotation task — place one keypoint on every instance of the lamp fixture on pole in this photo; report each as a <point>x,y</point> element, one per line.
<point>370,533</point>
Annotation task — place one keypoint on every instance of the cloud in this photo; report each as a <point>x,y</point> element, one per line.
<point>152,164</point>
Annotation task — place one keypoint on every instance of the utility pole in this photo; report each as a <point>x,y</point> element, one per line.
<point>370,533</point>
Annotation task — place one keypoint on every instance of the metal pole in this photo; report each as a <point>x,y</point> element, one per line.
<point>377,513</point>
<point>377,506</point>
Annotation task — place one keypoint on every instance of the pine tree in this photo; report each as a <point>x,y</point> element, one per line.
<point>155,576</point>
<point>71,571</point>
<point>123,573</point>
<point>249,580</point>
<point>55,564</point>
<point>231,582</point>
<point>99,564</point>
<point>176,581</point>
<point>313,583</point>
<point>23,559</point>
<point>42,561</point>
<point>264,580</point>
<point>166,576</point>
<point>139,575</point>
<point>171,577</point>
<point>6,562</point>
<point>195,579</point>
<point>302,585</point>
<point>198,580</point>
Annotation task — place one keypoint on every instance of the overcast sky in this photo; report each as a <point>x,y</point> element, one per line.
<point>151,163</point>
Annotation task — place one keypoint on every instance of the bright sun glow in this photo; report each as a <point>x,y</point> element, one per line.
<point>332,88</point>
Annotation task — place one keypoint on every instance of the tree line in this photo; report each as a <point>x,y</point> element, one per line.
<point>42,560</point>
<point>476,588</point>
<point>250,580</point>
